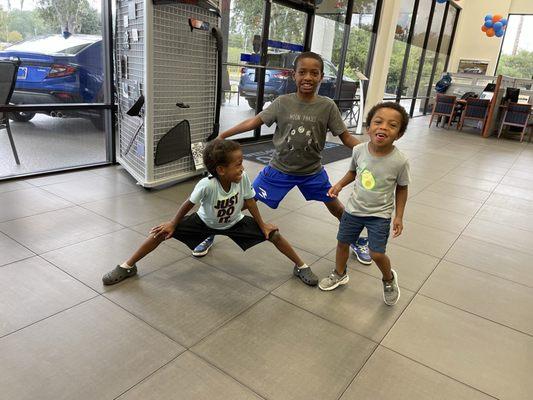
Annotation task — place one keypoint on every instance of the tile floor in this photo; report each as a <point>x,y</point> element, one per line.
<point>236,325</point>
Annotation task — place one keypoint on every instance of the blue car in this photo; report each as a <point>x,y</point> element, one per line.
<point>55,69</point>
<point>279,81</point>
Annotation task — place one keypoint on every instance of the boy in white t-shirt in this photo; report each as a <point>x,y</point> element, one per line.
<point>221,196</point>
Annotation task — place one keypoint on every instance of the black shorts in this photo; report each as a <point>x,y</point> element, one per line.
<point>192,231</point>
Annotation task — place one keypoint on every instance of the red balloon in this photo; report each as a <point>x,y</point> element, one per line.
<point>484,28</point>
<point>496,17</point>
<point>490,32</point>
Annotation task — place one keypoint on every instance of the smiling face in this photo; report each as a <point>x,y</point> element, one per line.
<point>384,127</point>
<point>232,171</point>
<point>307,76</point>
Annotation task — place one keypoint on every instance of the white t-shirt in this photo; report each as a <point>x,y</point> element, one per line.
<point>220,209</point>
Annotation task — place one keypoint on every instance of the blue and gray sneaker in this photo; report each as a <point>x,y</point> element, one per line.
<point>203,248</point>
<point>360,249</point>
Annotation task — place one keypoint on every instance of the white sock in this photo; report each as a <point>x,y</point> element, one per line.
<point>125,265</point>
<point>304,266</point>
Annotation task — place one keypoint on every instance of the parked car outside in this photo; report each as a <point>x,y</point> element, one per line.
<point>279,81</point>
<point>55,69</point>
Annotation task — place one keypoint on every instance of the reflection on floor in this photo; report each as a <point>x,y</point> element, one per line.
<point>236,325</point>
<point>47,143</point>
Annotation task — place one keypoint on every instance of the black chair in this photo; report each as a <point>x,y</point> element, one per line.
<point>8,78</point>
<point>476,109</point>
<point>444,107</point>
<point>516,115</point>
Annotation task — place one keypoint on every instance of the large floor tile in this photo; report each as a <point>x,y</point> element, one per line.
<point>513,191</point>
<point>55,229</point>
<point>319,211</point>
<point>10,186</point>
<point>437,218</point>
<point>115,173</point>
<point>499,234</point>
<point>357,306</point>
<point>493,259</point>
<point>458,189</point>
<point>90,260</point>
<point>60,177</point>
<point>25,202</point>
<point>283,352</point>
<point>93,188</point>
<point>388,374</point>
<point>133,209</point>
<point>33,289</point>
<point>186,300</point>
<point>488,296</point>
<point>177,193</point>
<point>480,171</point>
<point>309,234</point>
<point>482,354</point>
<point>413,267</point>
<point>262,265</point>
<point>92,351</point>
<point>11,251</point>
<point>189,377</point>
<point>446,202</point>
<point>506,216</point>
<point>510,203</point>
<point>425,239</point>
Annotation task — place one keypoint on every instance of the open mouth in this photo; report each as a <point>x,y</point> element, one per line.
<point>307,86</point>
<point>381,136</point>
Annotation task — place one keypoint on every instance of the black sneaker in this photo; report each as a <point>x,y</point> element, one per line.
<point>118,274</point>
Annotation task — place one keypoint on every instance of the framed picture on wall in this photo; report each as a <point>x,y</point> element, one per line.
<point>478,67</point>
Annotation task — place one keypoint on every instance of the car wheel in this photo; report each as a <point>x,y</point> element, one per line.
<point>21,116</point>
<point>252,103</point>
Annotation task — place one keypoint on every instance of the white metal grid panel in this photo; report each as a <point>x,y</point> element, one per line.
<point>184,69</point>
<point>130,84</point>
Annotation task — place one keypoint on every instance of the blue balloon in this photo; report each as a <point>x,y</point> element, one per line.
<point>498,26</point>
<point>499,33</point>
<point>503,21</point>
<point>441,1</point>
<point>488,17</point>
<point>489,23</point>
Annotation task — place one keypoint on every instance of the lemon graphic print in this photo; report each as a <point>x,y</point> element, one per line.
<point>367,180</point>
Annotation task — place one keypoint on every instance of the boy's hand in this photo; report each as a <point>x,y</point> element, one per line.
<point>334,191</point>
<point>397,227</point>
<point>268,229</point>
<point>165,230</point>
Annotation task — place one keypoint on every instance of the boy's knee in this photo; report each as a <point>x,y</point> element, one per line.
<point>376,256</point>
<point>157,239</point>
<point>275,237</point>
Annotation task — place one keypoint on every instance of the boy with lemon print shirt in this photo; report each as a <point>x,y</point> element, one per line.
<point>381,174</point>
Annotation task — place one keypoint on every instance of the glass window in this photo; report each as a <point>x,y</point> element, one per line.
<point>516,57</point>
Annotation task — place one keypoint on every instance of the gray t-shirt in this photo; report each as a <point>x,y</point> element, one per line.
<point>301,129</point>
<point>376,180</point>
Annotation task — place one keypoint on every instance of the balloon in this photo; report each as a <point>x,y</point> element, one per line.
<point>499,33</point>
<point>489,23</point>
<point>484,28</point>
<point>490,32</point>
<point>487,17</point>
<point>503,21</point>
<point>496,18</point>
<point>441,1</point>
<point>498,26</point>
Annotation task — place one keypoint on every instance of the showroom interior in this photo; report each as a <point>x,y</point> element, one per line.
<point>107,106</point>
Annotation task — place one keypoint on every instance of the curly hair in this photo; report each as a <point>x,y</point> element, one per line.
<point>309,54</point>
<point>394,106</point>
<point>217,152</point>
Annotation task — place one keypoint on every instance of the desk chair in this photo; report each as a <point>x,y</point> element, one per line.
<point>8,78</point>
<point>444,107</point>
<point>476,109</point>
<point>516,115</point>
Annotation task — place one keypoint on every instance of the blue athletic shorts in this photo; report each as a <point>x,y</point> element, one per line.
<point>272,185</point>
<point>378,230</point>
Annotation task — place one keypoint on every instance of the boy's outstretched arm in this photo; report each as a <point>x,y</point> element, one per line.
<point>245,126</point>
<point>345,180</point>
<point>401,200</point>
<point>348,139</point>
<point>266,228</point>
<point>167,228</point>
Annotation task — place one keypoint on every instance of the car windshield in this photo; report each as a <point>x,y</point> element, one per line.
<point>56,44</point>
